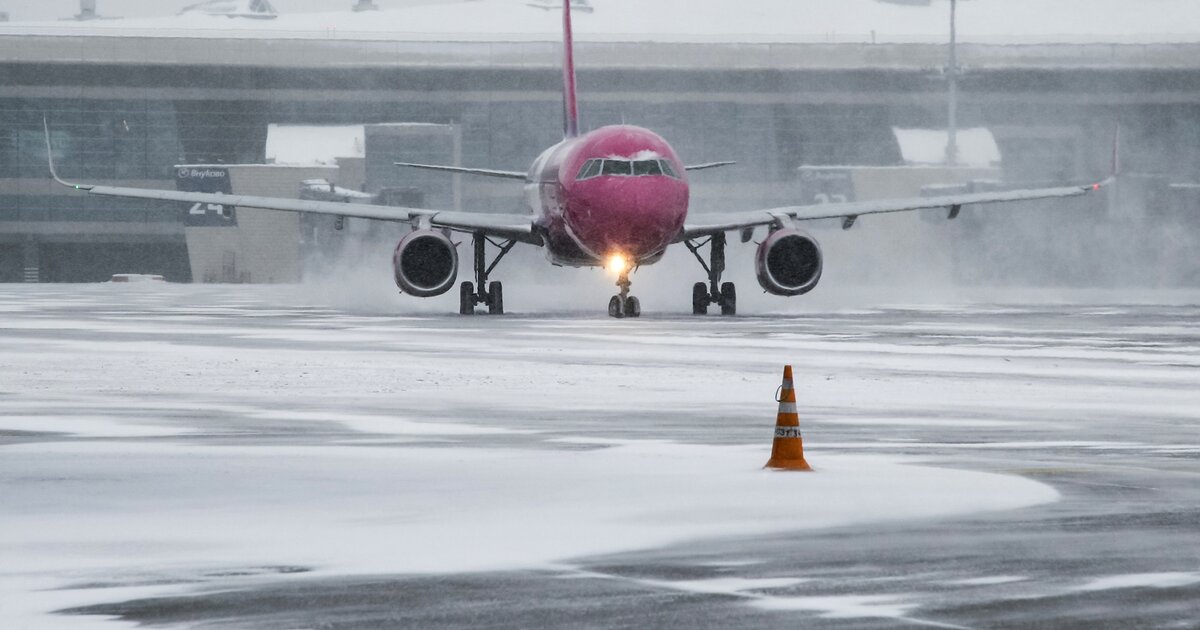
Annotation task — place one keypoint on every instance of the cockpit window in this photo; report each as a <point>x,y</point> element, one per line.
<point>617,167</point>
<point>646,167</point>
<point>590,169</point>
<point>636,168</point>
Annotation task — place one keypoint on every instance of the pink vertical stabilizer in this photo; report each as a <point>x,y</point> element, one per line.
<point>570,100</point>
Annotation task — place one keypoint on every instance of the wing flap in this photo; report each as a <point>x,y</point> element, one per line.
<point>518,227</point>
<point>706,224</point>
<point>333,208</point>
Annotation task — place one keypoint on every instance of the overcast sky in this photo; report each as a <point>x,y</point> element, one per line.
<point>56,9</point>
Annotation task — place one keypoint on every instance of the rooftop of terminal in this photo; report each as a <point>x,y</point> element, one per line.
<point>675,21</point>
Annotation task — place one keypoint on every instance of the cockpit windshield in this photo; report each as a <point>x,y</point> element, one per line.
<point>617,167</point>
<point>626,168</point>
<point>590,169</point>
<point>647,167</point>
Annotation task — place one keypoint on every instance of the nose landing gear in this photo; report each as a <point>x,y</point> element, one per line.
<point>714,291</point>
<point>623,304</point>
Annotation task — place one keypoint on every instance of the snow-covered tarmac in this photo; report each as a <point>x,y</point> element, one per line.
<point>187,443</point>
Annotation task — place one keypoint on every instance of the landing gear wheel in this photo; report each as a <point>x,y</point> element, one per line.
<point>728,299</point>
<point>633,307</point>
<point>712,292</point>
<point>495,299</point>
<point>616,308</point>
<point>700,299</point>
<point>490,293</point>
<point>466,299</point>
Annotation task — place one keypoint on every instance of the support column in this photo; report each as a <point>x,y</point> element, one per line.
<point>952,76</point>
<point>32,271</point>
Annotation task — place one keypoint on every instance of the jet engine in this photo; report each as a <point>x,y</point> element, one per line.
<point>788,263</point>
<point>426,263</point>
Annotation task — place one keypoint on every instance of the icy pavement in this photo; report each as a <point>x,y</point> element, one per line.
<point>238,457</point>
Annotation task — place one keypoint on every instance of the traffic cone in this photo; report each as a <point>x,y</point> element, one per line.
<point>787,452</point>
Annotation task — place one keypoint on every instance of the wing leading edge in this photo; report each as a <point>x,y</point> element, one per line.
<point>518,227</point>
<point>460,170</point>
<point>707,224</point>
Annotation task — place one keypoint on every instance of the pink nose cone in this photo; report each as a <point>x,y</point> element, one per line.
<point>634,216</point>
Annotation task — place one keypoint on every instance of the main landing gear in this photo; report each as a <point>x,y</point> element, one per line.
<point>714,292</point>
<point>624,305</point>
<point>493,296</point>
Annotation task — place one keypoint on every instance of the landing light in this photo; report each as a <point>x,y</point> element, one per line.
<point>617,263</point>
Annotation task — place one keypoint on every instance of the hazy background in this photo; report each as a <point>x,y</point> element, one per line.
<point>1133,241</point>
<point>57,9</point>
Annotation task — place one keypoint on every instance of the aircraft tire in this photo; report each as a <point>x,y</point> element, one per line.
<point>728,299</point>
<point>700,299</point>
<point>616,308</point>
<point>496,298</point>
<point>633,307</point>
<point>466,299</point>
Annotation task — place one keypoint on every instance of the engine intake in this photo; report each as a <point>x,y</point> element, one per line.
<point>789,263</point>
<point>426,263</point>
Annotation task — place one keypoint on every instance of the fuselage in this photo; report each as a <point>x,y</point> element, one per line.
<point>616,191</point>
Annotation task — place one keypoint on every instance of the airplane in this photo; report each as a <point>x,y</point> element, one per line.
<point>616,197</point>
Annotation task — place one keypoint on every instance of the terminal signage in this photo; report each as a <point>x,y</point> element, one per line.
<point>206,179</point>
<point>826,184</point>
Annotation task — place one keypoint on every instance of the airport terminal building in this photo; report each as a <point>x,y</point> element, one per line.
<point>139,102</point>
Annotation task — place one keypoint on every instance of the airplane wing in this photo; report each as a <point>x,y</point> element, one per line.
<point>517,227</point>
<point>708,224</point>
<point>485,172</point>
<point>707,165</point>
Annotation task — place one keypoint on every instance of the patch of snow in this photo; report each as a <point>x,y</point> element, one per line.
<point>136,277</point>
<point>731,564</point>
<point>927,147</point>
<point>1140,580</point>
<point>383,424</point>
<point>314,144</point>
<point>919,422</point>
<point>732,585</point>
<point>408,509</point>
<point>843,607</point>
<point>87,425</point>
<point>258,9</point>
<point>988,581</point>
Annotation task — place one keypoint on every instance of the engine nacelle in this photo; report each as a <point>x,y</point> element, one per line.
<point>426,263</point>
<point>788,263</point>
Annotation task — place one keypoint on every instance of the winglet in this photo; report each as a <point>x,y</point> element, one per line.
<point>1116,153</point>
<point>1115,167</point>
<point>50,159</point>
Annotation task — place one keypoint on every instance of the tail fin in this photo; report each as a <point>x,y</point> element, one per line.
<point>570,100</point>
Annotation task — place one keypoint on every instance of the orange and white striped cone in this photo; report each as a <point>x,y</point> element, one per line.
<point>787,452</point>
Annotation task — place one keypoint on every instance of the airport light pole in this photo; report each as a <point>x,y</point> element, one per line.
<point>952,80</point>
